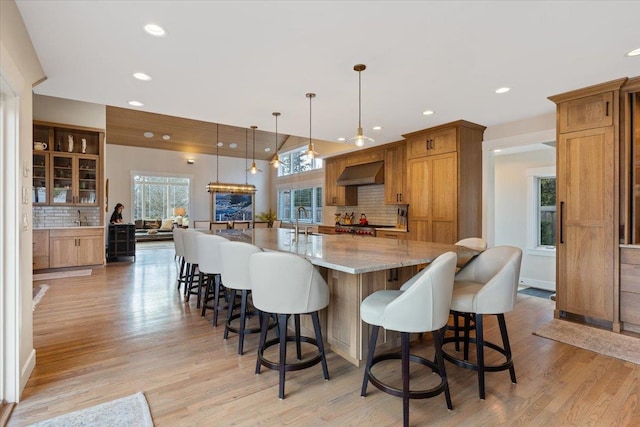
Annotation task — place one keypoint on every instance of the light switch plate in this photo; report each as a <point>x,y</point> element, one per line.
<point>25,196</point>
<point>25,221</point>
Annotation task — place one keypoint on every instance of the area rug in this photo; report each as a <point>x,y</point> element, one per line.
<point>61,274</point>
<point>592,339</point>
<point>38,293</point>
<point>130,411</point>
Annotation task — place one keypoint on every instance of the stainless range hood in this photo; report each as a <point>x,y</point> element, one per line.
<point>367,174</point>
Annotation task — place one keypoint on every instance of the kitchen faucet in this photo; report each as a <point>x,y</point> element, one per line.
<point>298,209</point>
<point>79,220</point>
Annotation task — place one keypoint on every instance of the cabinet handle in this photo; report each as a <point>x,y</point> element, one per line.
<point>607,109</point>
<point>561,222</point>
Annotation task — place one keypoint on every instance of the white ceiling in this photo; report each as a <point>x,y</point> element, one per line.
<point>235,62</point>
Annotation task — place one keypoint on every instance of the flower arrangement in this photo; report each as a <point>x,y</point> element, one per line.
<point>268,216</point>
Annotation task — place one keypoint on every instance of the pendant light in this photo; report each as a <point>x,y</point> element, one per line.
<point>360,139</point>
<point>254,169</point>
<point>311,153</point>
<point>220,187</point>
<point>276,160</point>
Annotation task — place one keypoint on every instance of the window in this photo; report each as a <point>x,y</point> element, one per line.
<point>155,196</point>
<point>297,161</point>
<point>541,216</point>
<point>309,198</point>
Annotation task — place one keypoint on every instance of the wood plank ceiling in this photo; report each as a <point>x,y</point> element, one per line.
<point>127,127</point>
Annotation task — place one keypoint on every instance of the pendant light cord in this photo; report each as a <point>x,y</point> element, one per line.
<point>217,153</point>
<point>246,155</point>
<point>359,99</point>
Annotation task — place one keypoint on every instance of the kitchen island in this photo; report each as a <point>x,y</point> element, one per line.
<point>354,267</point>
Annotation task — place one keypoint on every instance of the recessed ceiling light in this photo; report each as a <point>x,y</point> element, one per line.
<point>166,137</point>
<point>267,149</point>
<point>136,104</point>
<point>503,90</point>
<point>427,113</point>
<point>219,144</point>
<point>155,30</point>
<point>341,139</point>
<point>148,134</point>
<point>634,52</point>
<point>377,127</point>
<point>233,145</point>
<point>142,76</point>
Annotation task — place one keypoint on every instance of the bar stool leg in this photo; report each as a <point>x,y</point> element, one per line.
<point>296,321</point>
<point>283,352</point>
<point>316,327</point>
<point>507,347</point>
<point>232,300</point>
<point>405,378</point>
<point>216,298</point>
<point>263,337</point>
<point>243,320</point>
<point>480,353</point>
<point>372,349</point>
<point>438,337</point>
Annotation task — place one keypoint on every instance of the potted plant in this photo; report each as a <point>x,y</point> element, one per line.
<point>268,216</point>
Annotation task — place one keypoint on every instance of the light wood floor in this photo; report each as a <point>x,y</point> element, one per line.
<point>126,329</point>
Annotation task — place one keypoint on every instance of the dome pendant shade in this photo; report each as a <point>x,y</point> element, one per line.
<point>360,139</point>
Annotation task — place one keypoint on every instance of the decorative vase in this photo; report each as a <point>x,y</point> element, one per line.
<point>84,146</point>
<point>70,146</point>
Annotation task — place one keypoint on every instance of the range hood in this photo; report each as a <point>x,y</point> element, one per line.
<point>369,173</point>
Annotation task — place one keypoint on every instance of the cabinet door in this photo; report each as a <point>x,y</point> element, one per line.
<point>40,249</point>
<point>586,234</point>
<point>40,189</point>
<point>63,252</point>
<point>443,179</point>
<point>63,179</point>
<point>394,175</point>
<point>586,113</point>
<point>442,142</point>
<point>90,250</point>
<point>88,178</point>
<point>363,157</point>
<point>418,187</point>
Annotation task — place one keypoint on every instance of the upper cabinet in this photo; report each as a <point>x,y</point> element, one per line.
<point>66,164</point>
<point>337,195</point>
<point>444,182</point>
<point>431,142</point>
<point>588,112</point>
<point>395,165</point>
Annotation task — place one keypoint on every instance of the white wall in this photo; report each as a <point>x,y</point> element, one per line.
<point>511,213</point>
<point>121,160</point>
<point>21,70</point>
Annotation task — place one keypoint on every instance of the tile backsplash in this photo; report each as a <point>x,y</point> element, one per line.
<point>64,216</point>
<point>370,203</point>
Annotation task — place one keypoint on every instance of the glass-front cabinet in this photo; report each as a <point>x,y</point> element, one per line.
<point>75,179</point>
<point>66,164</point>
<point>40,190</point>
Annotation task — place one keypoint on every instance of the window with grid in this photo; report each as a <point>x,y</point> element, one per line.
<point>291,199</point>
<point>155,196</point>
<point>296,161</point>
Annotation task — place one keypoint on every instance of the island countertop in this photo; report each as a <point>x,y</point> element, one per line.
<point>347,253</point>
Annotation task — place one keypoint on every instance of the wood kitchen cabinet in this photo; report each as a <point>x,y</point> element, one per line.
<point>75,247</point>
<point>67,164</point>
<point>40,249</point>
<point>587,202</point>
<point>395,165</point>
<point>444,182</point>
<point>338,195</point>
<point>364,156</point>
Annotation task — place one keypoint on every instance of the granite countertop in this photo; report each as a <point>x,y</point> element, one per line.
<point>347,253</point>
<point>71,227</point>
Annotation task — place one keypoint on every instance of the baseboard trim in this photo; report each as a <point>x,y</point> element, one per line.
<point>540,284</point>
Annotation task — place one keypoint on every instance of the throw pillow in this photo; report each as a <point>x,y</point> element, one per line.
<point>167,224</point>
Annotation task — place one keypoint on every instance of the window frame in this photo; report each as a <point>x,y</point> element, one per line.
<point>533,208</point>
<point>169,214</point>
<point>288,158</point>
<point>316,205</point>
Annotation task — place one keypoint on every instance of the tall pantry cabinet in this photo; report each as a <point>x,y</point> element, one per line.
<point>444,182</point>
<point>588,202</point>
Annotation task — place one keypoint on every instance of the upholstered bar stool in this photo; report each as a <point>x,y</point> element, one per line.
<point>181,276</point>
<point>210,266</point>
<point>287,285</point>
<point>193,284</point>
<point>235,275</point>
<point>488,285</point>
<point>422,305</point>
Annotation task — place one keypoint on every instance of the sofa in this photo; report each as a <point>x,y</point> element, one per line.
<point>154,229</point>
